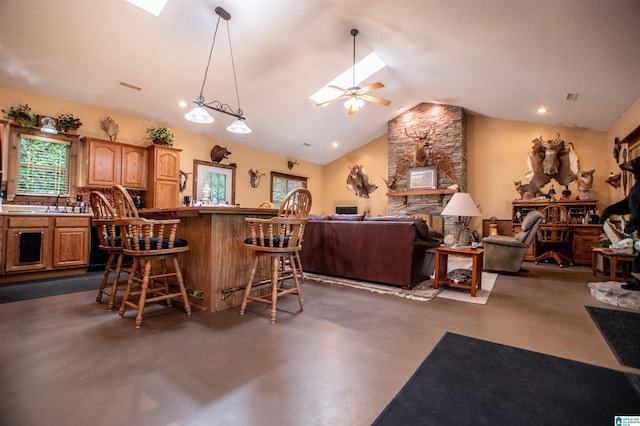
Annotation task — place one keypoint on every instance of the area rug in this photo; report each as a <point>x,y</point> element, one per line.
<point>422,292</point>
<point>467,381</point>
<point>621,330</point>
<point>14,292</point>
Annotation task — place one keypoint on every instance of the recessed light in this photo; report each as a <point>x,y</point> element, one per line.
<point>335,144</point>
<point>182,104</point>
<point>542,110</point>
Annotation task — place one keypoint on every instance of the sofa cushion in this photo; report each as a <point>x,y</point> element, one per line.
<point>314,216</point>
<point>356,217</point>
<point>422,229</point>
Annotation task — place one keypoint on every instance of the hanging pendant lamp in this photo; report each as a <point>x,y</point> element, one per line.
<point>200,114</point>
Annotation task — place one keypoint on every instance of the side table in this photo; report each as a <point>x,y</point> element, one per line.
<point>442,257</point>
<point>611,259</point>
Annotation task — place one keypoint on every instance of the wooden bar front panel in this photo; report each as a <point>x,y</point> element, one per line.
<point>217,259</point>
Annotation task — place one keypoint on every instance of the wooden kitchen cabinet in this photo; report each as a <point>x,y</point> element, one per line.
<point>70,242</point>
<point>164,177</point>
<point>26,244</point>
<point>47,245</point>
<point>112,163</point>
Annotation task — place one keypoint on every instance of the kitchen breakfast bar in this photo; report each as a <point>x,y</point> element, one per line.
<point>217,266</point>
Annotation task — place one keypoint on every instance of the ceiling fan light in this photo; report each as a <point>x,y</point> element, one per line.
<point>239,126</point>
<point>353,104</point>
<point>199,115</point>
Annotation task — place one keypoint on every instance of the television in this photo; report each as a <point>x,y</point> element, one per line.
<point>347,210</point>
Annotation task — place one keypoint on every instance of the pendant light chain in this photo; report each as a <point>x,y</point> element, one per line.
<point>233,66</point>
<point>206,71</point>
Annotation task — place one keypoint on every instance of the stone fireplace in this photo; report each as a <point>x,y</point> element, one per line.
<point>449,124</point>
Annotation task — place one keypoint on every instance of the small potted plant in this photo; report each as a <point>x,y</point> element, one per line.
<point>67,123</point>
<point>21,115</point>
<point>160,135</point>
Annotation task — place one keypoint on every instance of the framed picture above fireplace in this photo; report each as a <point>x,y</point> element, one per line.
<point>422,178</point>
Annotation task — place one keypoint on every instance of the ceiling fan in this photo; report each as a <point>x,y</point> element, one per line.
<point>356,95</point>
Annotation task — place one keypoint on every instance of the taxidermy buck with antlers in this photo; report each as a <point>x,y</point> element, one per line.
<point>425,153</point>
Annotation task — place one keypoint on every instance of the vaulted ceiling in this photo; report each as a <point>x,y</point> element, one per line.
<point>497,58</point>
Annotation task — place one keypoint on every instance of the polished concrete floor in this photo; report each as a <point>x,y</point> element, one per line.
<point>65,360</point>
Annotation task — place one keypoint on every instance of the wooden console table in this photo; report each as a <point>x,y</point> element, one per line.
<point>442,257</point>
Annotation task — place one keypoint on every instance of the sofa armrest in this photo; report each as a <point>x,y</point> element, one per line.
<point>503,240</point>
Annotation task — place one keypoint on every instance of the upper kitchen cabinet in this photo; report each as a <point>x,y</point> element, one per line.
<point>164,177</point>
<point>112,163</point>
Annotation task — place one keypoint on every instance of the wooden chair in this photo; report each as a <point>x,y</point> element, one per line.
<point>280,240</point>
<point>266,205</point>
<point>146,241</point>
<point>553,232</point>
<point>124,205</point>
<point>103,220</point>
<point>296,204</point>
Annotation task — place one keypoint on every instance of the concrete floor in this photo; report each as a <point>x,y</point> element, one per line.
<point>65,360</point>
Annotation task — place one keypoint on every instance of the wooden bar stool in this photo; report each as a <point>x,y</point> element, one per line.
<point>279,240</point>
<point>146,241</point>
<point>103,220</point>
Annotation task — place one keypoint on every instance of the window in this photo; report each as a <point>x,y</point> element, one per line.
<point>282,184</point>
<point>43,166</point>
<point>219,178</point>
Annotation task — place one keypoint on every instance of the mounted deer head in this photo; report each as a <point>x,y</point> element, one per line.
<point>254,179</point>
<point>292,161</point>
<point>422,144</point>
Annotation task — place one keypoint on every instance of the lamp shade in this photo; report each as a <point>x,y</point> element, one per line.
<point>239,126</point>
<point>461,204</point>
<point>199,115</point>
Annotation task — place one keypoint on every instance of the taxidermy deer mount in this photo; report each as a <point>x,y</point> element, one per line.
<point>425,153</point>
<point>254,179</point>
<point>358,182</point>
<point>292,161</point>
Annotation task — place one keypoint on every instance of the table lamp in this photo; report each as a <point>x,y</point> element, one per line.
<point>461,205</point>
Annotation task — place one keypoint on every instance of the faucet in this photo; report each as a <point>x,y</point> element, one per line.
<point>58,200</point>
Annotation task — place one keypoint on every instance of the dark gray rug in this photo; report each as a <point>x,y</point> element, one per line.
<point>466,381</point>
<point>621,330</point>
<point>14,292</point>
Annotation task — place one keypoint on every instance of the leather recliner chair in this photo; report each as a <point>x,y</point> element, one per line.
<point>505,254</point>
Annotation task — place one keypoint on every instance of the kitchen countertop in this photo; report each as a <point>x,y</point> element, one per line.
<point>29,210</point>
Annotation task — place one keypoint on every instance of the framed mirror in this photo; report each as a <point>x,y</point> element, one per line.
<point>220,179</point>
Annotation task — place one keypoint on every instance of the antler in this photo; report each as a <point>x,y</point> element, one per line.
<point>423,136</point>
<point>292,161</point>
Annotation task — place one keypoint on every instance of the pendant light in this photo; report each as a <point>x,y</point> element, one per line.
<point>200,114</point>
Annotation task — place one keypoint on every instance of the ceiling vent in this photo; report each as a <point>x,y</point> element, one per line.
<point>130,86</point>
<point>571,97</point>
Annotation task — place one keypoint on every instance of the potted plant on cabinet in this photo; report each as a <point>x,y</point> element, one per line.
<point>160,135</point>
<point>21,115</point>
<point>67,123</point>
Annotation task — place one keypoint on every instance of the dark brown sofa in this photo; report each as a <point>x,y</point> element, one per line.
<point>392,250</point>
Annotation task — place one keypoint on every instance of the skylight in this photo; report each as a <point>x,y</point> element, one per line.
<point>365,68</point>
<point>154,7</point>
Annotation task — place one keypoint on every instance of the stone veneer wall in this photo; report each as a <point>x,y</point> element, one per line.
<point>450,135</point>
